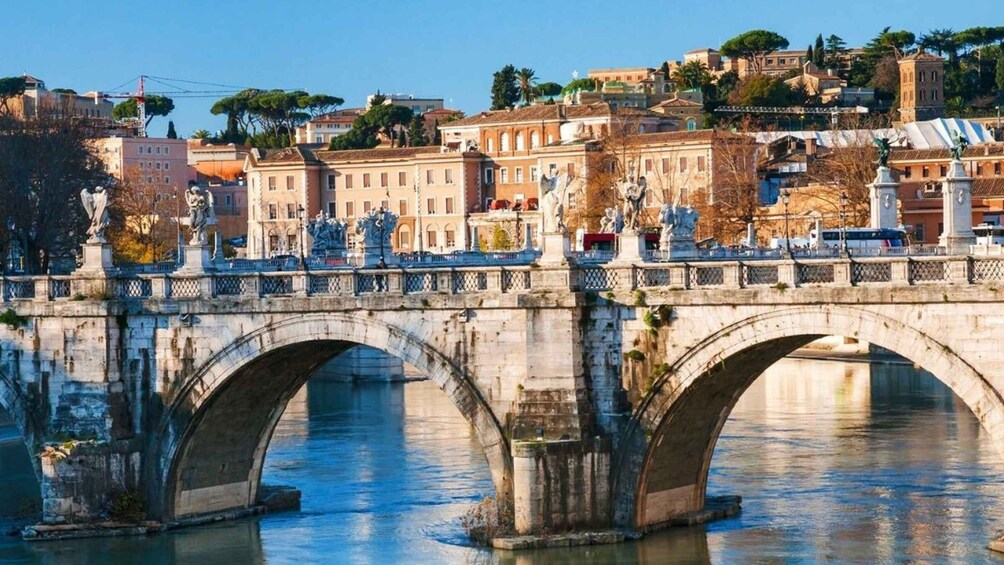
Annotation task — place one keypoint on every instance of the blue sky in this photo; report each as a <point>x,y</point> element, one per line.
<point>445,49</point>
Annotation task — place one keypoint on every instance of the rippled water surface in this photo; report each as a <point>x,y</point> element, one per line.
<point>836,462</point>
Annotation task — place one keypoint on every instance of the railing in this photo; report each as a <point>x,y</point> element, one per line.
<point>755,274</point>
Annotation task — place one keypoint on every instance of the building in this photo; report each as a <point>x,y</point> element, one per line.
<point>922,87</point>
<point>220,169</point>
<point>430,189</point>
<point>775,64</point>
<point>158,162</point>
<point>710,58</point>
<point>416,105</point>
<point>322,129</point>
<point>36,96</point>
<point>688,112</point>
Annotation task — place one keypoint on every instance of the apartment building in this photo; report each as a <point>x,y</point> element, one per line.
<point>36,97</point>
<point>322,129</point>
<point>417,105</point>
<point>157,162</point>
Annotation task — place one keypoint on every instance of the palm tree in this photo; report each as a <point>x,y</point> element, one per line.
<point>941,41</point>
<point>201,134</point>
<point>692,74</point>
<point>525,79</point>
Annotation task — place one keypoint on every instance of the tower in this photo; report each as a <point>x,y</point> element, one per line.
<point>922,87</point>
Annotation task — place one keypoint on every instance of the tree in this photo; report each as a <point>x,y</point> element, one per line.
<point>171,133</point>
<point>1000,73</point>
<point>270,118</point>
<point>849,167</point>
<point>45,160</point>
<point>809,55</point>
<point>10,88</point>
<point>525,78</point>
<point>734,199</point>
<point>505,89</point>
<point>692,74</point>
<point>586,84</point>
<point>819,54</point>
<point>835,54</point>
<point>139,230</point>
<point>753,46</point>
<point>201,134</point>
<point>416,132</point>
<point>761,90</point>
<point>385,119</point>
<point>547,89</point>
<point>941,41</point>
<point>64,91</point>
<point>885,79</point>
<point>155,106</point>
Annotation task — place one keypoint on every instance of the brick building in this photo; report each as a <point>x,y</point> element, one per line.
<point>922,87</point>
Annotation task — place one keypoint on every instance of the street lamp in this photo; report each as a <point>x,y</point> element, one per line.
<point>10,240</point>
<point>843,222</point>
<point>785,197</point>
<point>299,236</point>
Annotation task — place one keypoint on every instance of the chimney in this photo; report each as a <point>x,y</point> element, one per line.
<point>810,147</point>
<point>561,111</point>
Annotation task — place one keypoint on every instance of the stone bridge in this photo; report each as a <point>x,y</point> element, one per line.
<point>597,392</point>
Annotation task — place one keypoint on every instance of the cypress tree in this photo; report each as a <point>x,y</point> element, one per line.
<point>819,52</point>
<point>171,134</point>
<point>809,57</point>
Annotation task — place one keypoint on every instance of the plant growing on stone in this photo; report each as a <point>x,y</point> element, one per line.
<point>639,298</point>
<point>635,355</point>
<point>11,319</point>
<point>127,507</point>
<point>489,519</point>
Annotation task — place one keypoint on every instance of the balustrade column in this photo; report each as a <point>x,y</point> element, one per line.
<point>900,271</point>
<point>678,276</point>
<point>787,273</point>
<point>732,275</point>
<point>301,282</point>
<point>43,286</point>
<point>495,280</point>
<point>158,287</point>
<point>958,270</point>
<point>842,273</point>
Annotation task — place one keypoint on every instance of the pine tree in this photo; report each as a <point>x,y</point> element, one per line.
<point>437,138</point>
<point>171,134</point>
<point>416,132</point>
<point>809,56</point>
<point>505,90</point>
<point>819,53</point>
<point>1000,73</point>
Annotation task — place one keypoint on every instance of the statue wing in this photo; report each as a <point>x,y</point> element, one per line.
<point>545,184</point>
<point>210,206</point>
<point>87,199</point>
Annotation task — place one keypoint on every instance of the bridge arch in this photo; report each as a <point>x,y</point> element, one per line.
<point>666,452</point>
<point>13,401</point>
<point>211,445</point>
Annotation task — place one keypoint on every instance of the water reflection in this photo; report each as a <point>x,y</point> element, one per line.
<point>836,462</point>
<point>19,490</point>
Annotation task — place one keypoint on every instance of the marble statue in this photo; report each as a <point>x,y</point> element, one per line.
<point>678,222</point>
<point>96,205</point>
<point>884,148</point>
<point>634,200</point>
<point>552,203</point>
<point>375,228</point>
<point>321,232</point>
<point>959,144</point>
<point>200,213</point>
<point>612,221</point>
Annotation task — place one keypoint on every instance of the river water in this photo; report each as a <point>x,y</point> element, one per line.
<point>837,462</point>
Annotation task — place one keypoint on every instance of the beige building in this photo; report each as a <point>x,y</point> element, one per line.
<point>322,129</point>
<point>431,191</point>
<point>37,96</point>
<point>417,105</point>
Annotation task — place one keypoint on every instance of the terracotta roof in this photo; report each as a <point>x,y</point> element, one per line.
<point>985,150</point>
<point>369,154</point>
<point>921,56</point>
<point>982,188</point>
<point>549,112</point>
<point>285,155</point>
<point>698,136</point>
<point>676,102</point>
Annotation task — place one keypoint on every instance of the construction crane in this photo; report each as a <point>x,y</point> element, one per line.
<point>179,92</point>
<point>834,112</point>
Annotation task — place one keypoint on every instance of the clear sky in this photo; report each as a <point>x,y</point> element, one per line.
<point>446,49</point>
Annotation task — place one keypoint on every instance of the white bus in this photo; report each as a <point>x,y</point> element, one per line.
<point>989,234</point>
<point>858,238</point>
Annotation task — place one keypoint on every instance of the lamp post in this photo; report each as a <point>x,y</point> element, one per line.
<point>785,197</point>
<point>10,241</point>
<point>418,213</point>
<point>299,236</point>
<point>843,223</point>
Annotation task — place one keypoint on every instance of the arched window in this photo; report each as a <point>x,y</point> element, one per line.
<point>550,139</point>
<point>491,144</point>
<point>404,237</point>
<point>641,128</point>
<point>691,124</point>
<point>534,140</point>
<point>504,142</point>
<point>520,143</point>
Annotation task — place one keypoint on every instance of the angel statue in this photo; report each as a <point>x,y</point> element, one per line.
<point>882,143</point>
<point>634,198</point>
<point>959,144</point>
<point>552,203</point>
<point>96,206</point>
<point>200,213</point>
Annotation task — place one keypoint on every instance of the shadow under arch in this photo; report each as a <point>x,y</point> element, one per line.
<point>210,448</point>
<point>666,451</point>
<point>26,419</point>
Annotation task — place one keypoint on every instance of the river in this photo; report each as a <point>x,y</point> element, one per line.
<point>838,462</point>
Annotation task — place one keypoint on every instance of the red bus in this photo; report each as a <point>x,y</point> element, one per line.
<point>605,241</point>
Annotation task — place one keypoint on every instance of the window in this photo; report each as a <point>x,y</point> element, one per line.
<point>770,61</point>
<point>925,172</point>
<point>665,166</point>
<point>402,207</point>
<point>404,237</point>
<point>332,210</point>
<point>167,166</point>
<point>367,206</point>
<point>402,179</point>
<point>490,145</point>
<point>158,150</point>
<point>430,238</point>
<point>490,175</point>
<point>701,164</point>
<point>934,95</point>
<point>366,180</point>
<point>997,168</point>
<point>167,151</point>
<point>648,166</point>
<point>228,200</point>
<point>449,176</point>
<point>552,169</point>
<point>318,139</point>
<point>918,233</point>
<point>907,171</point>
<point>167,180</point>
<point>942,170</point>
<point>273,211</point>
<point>518,172</point>
<point>430,205</point>
<point>450,237</point>
<point>290,241</point>
<point>289,182</point>
<point>156,165</point>
<point>273,243</point>
<point>503,175</point>
<point>383,179</point>
<point>350,209</point>
<point>683,164</point>
<point>139,149</point>
<point>920,77</point>
<point>331,182</point>
<point>149,180</point>
<point>449,205</point>
<point>534,174</point>
<point>290,211</point>
<point>534,140</point>
<point>520,143</point>
<point>430,177</point>
<point>504,142</point>
<point>550,139</point>
<point>571,169</point>
<point>348,181</point>
<point>691,124</point>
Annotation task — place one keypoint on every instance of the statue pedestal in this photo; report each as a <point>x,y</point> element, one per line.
<point>369,257</point>
<point>957,205</point>
<point>197,260</point>
<point>97,259</point>
<point>555,249</point>
<point>630,247</point>
<point>678,247</point>
<point>883,198</point>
